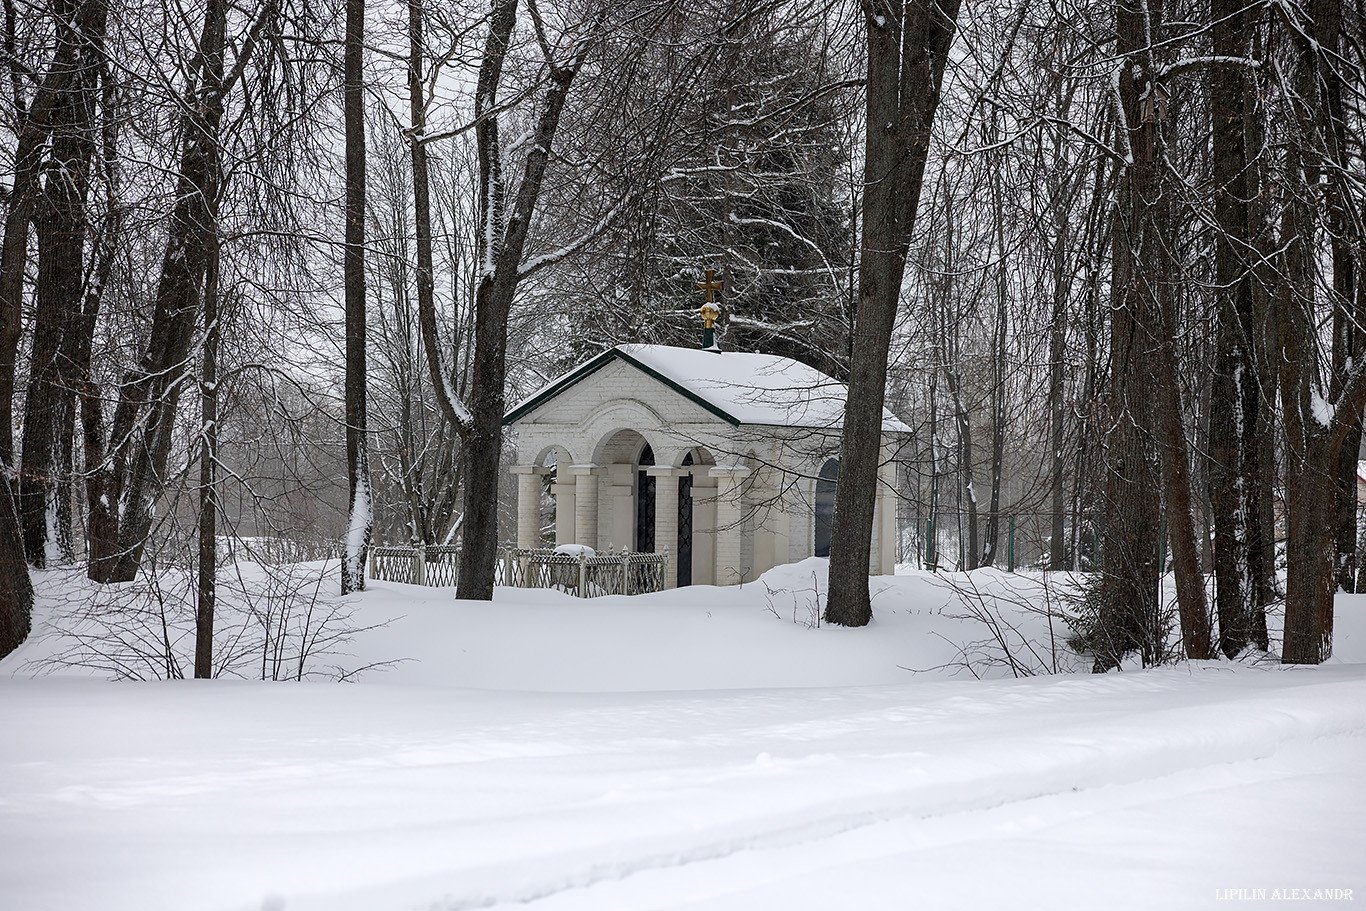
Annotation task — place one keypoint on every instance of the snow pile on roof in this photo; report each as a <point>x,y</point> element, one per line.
<point>749,388</point>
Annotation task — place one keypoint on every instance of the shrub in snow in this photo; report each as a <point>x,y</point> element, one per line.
<point>272,622</point>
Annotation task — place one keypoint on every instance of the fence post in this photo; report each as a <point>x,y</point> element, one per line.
<point>1010,545</point>
<point>372,563</point>
<point>625,573</point>
<point>420,563</point>
<point>583,574</point>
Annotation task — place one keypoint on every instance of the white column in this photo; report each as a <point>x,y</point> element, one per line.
<point>585,504</point>
<point>666,520</point>
<point>729,513</point>
<point>763,543</point>
<point>887,500</point>
<point>703,528</point>
<point>875,548</point>
<point>780,523</point>
<point>564,508</point>
<point>528,505</point>
<point>802,540</point>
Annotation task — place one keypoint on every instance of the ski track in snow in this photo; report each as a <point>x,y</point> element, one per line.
<point>1111,762</point>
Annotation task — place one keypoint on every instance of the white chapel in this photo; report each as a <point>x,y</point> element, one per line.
<point>725,460</point>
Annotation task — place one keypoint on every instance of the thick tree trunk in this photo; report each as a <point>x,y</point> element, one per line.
<point>1190,581</point>
<point>361,520</point>
<point>101,528</point>
<point>1266,347</point>
<point>1349,338</point>
<point>1316,429</point>
<point>16,590</point>
<point>907,51</point>
<point>1235,475</point>
<point>1130,617</point>
<point>1130,609</point>
<point>502,260</point>
<point>61,225</point>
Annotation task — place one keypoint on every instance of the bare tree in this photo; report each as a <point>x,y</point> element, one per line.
<point>134,472</point>
<point>360,508</point>
<point>1235,475</point>
<point>1319,416</point>
<point>908,46</point>
<point>505,224</point>
<point>61,230</point>
<point>77,29</point>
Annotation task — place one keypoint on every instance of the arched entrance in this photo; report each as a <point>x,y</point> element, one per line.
<point>825,506</point>
<point>645,502</point>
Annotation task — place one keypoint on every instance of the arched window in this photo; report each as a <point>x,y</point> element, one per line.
<point>825,505</point>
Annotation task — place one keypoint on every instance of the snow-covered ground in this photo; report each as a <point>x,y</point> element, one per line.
<point>701,749</point>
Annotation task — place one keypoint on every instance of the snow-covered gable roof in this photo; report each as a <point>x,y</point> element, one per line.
<point>738,387</point>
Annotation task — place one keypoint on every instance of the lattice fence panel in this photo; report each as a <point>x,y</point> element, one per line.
<point>586,576</point>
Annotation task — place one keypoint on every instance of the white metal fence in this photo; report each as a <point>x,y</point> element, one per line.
<point>582,574</point>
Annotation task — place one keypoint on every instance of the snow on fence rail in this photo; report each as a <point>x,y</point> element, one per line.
<point>584,574</point>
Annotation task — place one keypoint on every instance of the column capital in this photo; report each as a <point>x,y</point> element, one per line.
<point>527,469</point>
<point>580,471</point>
<point>661,471</point>
<point>736,472</point>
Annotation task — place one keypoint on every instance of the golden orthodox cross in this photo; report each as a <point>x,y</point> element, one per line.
<point>711,285</point>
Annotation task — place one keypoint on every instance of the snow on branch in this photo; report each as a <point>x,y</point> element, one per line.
<point>537,263</point>
<point>1180,67</point>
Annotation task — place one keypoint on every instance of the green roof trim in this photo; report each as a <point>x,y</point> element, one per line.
<point>587,369</point>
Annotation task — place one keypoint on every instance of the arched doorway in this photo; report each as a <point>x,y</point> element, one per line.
<point>645,502</point>
<point>825,506</point>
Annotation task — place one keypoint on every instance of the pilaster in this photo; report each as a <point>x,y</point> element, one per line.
<point>666,520</point>
<point>730,512</point>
